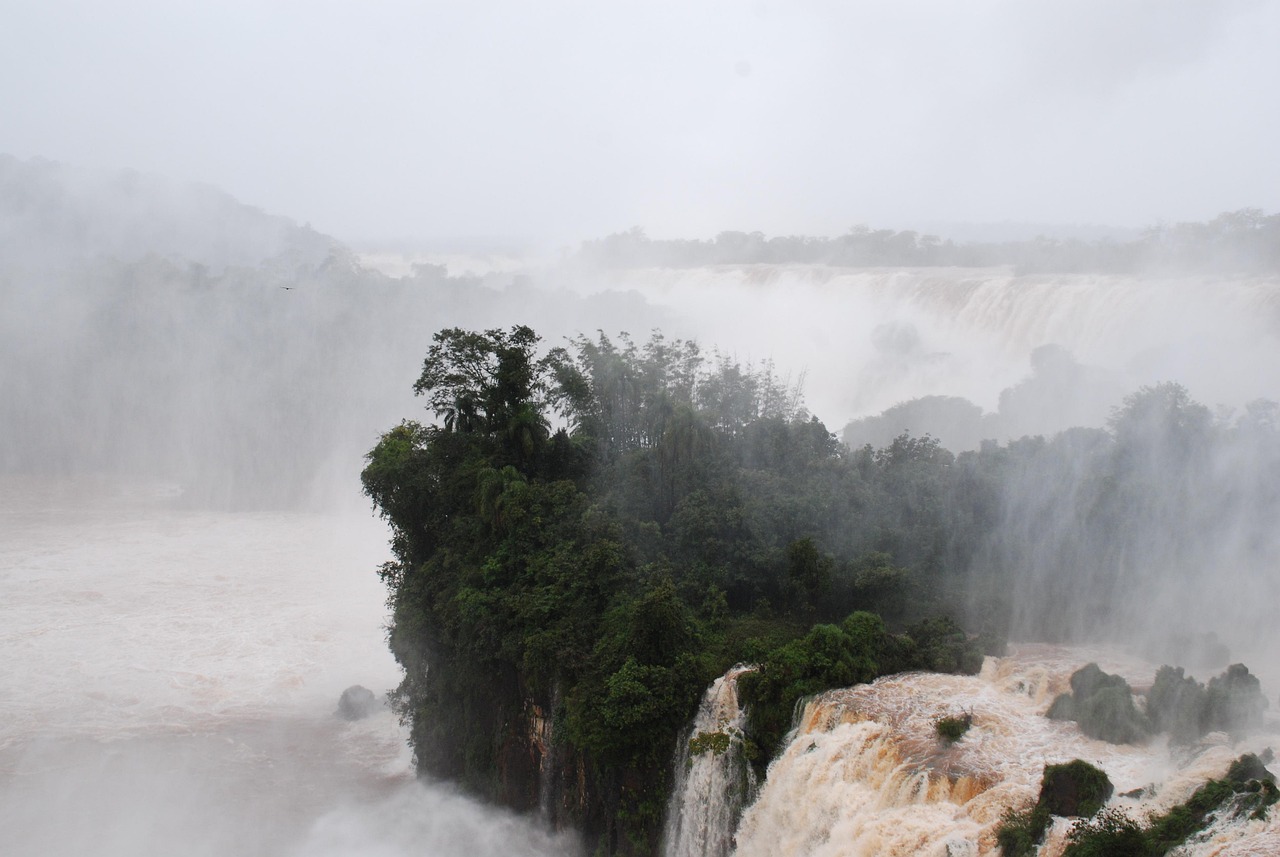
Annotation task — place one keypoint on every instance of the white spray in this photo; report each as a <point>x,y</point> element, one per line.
<point>713,784</point>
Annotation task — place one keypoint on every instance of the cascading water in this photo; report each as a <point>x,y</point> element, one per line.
<point>713,778</point>
<point>886,335</point>
<point>867,774</point>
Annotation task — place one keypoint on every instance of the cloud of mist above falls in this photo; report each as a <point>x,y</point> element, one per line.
<point>201,342</point>
<point>558,121</point>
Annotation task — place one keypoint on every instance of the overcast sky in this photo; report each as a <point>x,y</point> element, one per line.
<point>558,121</point>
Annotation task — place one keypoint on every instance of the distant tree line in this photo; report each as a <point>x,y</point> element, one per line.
<point>1244,241</point>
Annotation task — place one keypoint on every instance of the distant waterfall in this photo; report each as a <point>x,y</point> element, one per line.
<point>713,783</point>
<point>874,337</point>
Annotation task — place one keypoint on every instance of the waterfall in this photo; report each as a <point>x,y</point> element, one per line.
<point>713,780</point>
<point>542,739</point>
<point>867,774</point>
<point>877,337</point>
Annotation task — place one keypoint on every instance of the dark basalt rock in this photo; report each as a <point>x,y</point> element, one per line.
<point>1063,708</point>
<point>357,703</point>
<point>1234,701</point>
<point>1103,706</point>
<point>1109,715</point>
<point>1176,704</point>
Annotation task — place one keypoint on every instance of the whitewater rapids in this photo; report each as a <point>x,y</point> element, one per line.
<point>865,773</point>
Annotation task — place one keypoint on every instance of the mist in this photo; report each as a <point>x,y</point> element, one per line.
<point>256,374</point>
<point>565,122</point>
<point>1044,236</point>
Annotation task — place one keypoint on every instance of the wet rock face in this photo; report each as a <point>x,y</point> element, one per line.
<point>1234,701</point>
<point>1103,706</point>
<point>357,703</point>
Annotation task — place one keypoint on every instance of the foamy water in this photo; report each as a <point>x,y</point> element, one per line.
<point>871,338</point>
<point>866,773</point>
<point>710,788</point>
<point>171,681</point>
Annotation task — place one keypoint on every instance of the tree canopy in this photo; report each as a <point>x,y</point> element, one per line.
<point>584,537</point>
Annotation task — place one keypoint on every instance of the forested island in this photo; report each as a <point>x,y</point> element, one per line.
<point>587,536</point>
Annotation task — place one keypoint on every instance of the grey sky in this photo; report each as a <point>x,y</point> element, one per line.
<point>559,121</point>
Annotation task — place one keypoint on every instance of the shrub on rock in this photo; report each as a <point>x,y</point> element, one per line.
<point>1074,789</point>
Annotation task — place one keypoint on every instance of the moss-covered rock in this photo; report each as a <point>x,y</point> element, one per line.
<point>1090,679</point>
<point>1248,789</point>
<point>1074,789</point>
<point>1248,767</point>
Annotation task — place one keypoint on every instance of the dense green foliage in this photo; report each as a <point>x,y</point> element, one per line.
<point>1072,789</point>
<point>1020,833</point>
<point>1247,789</point>
<point>588,536</point>
<point>591,535</point>
<point>1148,529</point>
<point>952,728</point>
<point>1111,833</point>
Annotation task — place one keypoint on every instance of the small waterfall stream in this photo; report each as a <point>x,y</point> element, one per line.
<point>713,779</point>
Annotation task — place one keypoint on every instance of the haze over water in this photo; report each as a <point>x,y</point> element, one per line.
<point>172,682</point>
<point>187,569</point>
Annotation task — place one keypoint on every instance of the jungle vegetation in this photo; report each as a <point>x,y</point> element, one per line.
<point>602,529</point>
<point>586,536</point>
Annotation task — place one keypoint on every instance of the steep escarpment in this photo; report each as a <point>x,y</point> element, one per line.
<point>563,596</point>
<point>589,536</point>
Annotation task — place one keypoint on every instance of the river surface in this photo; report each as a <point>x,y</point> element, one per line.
<point>170,683</point>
